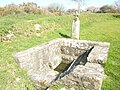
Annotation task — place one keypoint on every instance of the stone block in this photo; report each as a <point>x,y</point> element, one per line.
<point>89,77</point>
<point>40,62</point>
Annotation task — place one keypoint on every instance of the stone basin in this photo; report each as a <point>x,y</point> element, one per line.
<point>41,61</point>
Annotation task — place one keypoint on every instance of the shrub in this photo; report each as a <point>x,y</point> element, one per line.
<point>29,7</point>
<point>11,9</point>
<point>108,9</point>
<point>93,9</point>
<point>1,11</point>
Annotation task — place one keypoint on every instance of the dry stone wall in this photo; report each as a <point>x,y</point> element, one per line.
<point>40,62</point>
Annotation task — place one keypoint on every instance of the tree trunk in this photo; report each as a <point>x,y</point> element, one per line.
<point>79,6</point>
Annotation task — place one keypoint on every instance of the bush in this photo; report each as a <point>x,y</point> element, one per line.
<point>1,11</point>
<point>118,10</point>
<point>11,9</point>
<point>29,7</point>
<point>93,9</point>
<point>108,9</point>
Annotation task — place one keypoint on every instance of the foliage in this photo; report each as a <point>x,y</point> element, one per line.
<point>12,9</point>
<point>1,11</point>
<point>28,8</point>
<point>108,9</point>
<point>93,9</point>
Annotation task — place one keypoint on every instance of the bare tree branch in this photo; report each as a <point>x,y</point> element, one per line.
<point>79,3</point>
<point>55,7</point>
<point>117,3</point>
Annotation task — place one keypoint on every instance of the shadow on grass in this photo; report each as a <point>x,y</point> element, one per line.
<point>65,36</point>
<point>116,16</point>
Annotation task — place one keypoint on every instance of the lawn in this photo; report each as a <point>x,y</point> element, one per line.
<point>97,27</point>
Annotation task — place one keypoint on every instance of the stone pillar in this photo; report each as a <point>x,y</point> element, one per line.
<point>75,27</point>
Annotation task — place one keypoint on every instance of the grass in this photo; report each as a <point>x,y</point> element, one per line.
<point>98,27</point>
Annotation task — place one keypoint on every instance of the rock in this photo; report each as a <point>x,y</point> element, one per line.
<point>98,55</point>
<point>63,88</point>
<point>37,26</point>
<point>40,62</point>
<point>9,36</point>
<point>17,79</point>
<point>72,88</point>
<point>42,79</point>
<point>75,28</point>
<point>89,77</point>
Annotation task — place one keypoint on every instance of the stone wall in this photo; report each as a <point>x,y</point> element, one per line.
<point>37,57</point>
<point>71,49</point>
<point>40,62</point>
<point>91,75</point>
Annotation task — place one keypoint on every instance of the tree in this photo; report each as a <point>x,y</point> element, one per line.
<point>70,11</point>
<point>55,7</point>
<point>108,9</point>
<point>30,7</point>
<point>117,3</point>
<point>91,9</point>
<point>79,3</point>
<point>11,9</point>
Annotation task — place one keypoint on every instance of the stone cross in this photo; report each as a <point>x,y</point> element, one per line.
<point>75,27</point>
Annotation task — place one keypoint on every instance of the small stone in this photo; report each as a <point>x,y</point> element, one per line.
<point>9,36</point>
<point>72,88</point>
<point>63,88</point>
<point>17,79</point>
<point>37,26</point>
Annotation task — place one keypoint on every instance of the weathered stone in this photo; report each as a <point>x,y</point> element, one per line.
<point>9,36</point>
<point>98,55</point>
<point>89,77</point>
<point>42,78</point>
<point>40,62</point>
<point>63,88</point>
<point>34,58</point>
<point>72,88</point>
<point>75,28</point>
<point>37,26</point>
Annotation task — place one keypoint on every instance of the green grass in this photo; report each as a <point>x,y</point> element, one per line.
<point>98,27</point>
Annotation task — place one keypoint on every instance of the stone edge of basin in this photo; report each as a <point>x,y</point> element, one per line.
<point>98,55</point>
<point>64,41</point>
